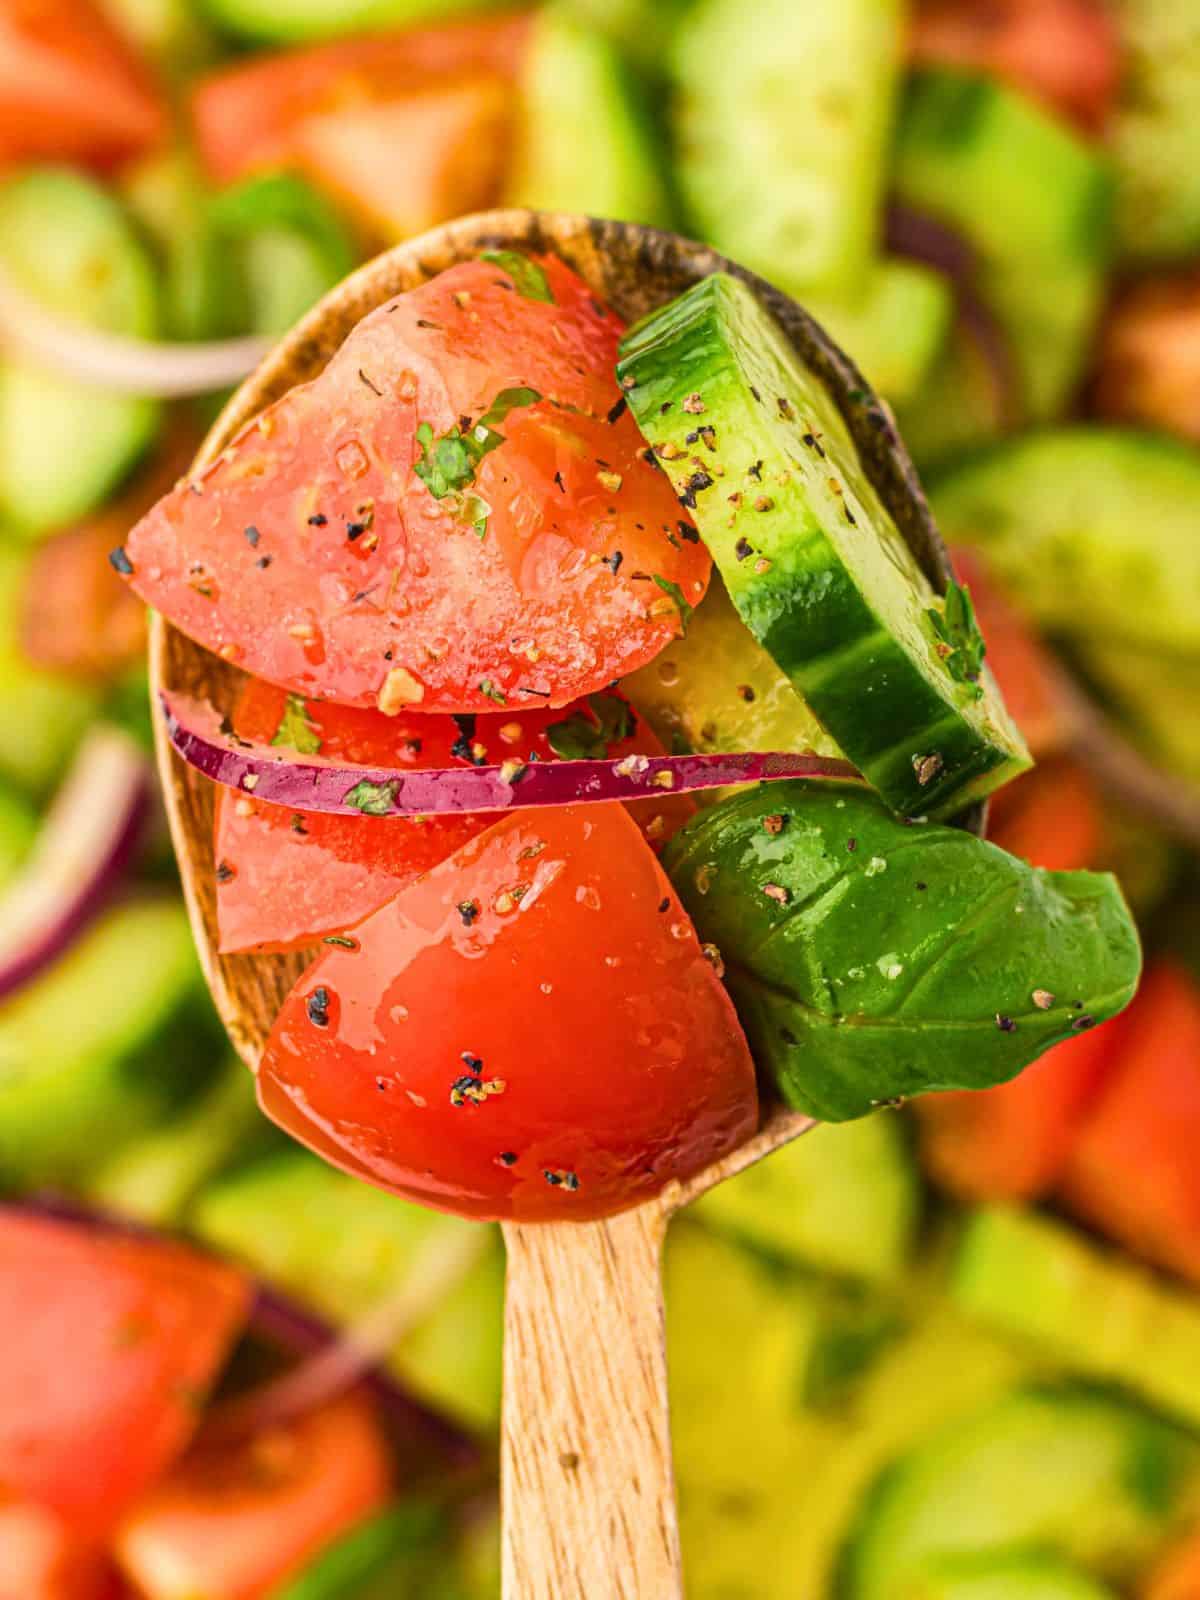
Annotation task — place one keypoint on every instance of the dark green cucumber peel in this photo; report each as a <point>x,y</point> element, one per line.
<point>758,450</point>
<point>872,959</point>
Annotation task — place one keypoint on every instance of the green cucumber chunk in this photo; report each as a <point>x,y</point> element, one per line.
<point>1155,696</point>
<point>870,960</point>
<point>896,329</point>
<point>585,141</point>
<point>1089,1478</point>
<point>1016,1575</point>
<point>291,21</point>
<point>1156,131</point>
<point>845,1199</point>
<point>782,125</point>
<point>1034,201</point>
<point>1092,529</point>
<point>141,1038</point>
<point>18,829</point>
<point>342,1247</point>
<point>958,407</point>
<point>1034,1279</point>
<point>715,688</point>
<point>817,569</point>
<point>65,445</point>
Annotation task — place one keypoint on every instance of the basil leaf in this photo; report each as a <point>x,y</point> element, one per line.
<point>373,799</point>
<point>590,737</point>
<point>295,731</point>
<point>448,463</point>
<point>871,960</point>
<point>527,277</point>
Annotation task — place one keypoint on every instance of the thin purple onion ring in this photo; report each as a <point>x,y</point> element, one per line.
<point>204,741</point>
<point>88,838</point>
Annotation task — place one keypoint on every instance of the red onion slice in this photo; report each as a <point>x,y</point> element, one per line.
<point>204,741</point>
<point>88,837</point>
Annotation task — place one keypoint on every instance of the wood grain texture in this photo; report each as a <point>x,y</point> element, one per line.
<point>586,1465</point>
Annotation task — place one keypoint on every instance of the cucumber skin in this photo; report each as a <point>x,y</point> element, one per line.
<point>806,611</point>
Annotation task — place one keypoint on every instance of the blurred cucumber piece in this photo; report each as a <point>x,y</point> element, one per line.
<point>585,141</point>
<point>155,1177</point>
<point>1034,201</point>
<point>100,1047</point>
<point>1010,1575</point>
<point>68,244</point>
<point>343,1247</point>
<point>169,30</point>
<point>958,407</point>
<point>201,291</point>
<point>43,715</point>
<point>896,329</point>
<point>1091,529</point>
<point>1156,131</point>
<point>641,29</point>
<point>1037,1280</point>
<point>18,829</point>
<point>718,689</point>
<point>1156,697</point>
<point>844,1198</point>
<point>290,21</point>
<point>782,120</point>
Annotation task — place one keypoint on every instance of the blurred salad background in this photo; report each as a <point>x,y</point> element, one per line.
<point>951,1354</point>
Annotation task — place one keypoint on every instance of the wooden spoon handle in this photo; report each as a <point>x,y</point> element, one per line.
<point>586,1484</point>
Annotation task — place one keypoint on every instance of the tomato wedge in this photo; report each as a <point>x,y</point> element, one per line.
<point>70,87</point>
<point>40,1559</point>
<point>108,1344</point>
<point>235,1521</point>
<point>1177,1576</point>
<point>1051,817</point>
<point>247,116</point>
<point>457,515</point>
<point>1133,1170</point>
<point>285,878</point>
<point>531,1030</point>
<point>455,140</point>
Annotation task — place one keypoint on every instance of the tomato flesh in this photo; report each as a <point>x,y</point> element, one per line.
<point>236,1521</point>
<point>315,554</point>
<point>40,1559</point>
<point>531,1030</point>
<point>108,1343</point>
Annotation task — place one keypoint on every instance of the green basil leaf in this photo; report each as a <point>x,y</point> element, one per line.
<point>871,959</point>
<point>447,464</point>
<point>392,1544</point>
<point>676,593</point>
<point>295,731</point>
<point>590,735</point>
<point>373,799</point>
<point>527,277</point>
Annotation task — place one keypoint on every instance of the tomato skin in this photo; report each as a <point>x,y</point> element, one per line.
<point>70,87</point>
<point>40,1559</point>
<point>1065,53</point>
<point>234,1521</point>
<point>252,114</point>
<point>609,1055</point>
<point>1051,817</point>
<point>1133,1170</point>
<point>108,1340</point>
<point>1148,370</point>
<point>288,877</point>
<point>415,610</point>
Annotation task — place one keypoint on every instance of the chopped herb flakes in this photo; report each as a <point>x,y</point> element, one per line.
<point>685,611</point>
<point>373,799</point>
<point>120,561</point>
<point>488,688</point>
<point>583,738</point>
<point>958,641</point>
<point>528,278</point>
<point>295,731</point>
<point>317,1007</point>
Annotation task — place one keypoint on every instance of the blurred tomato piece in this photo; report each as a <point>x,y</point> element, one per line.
<point>246,116</point>
<point>71,89</point>
<point>41,1560</point>
<point>1133,1172</point>
<point>232,1521</point>
<point>1012,1142</point>
<point>1051,817</point>
<point>1148,368</point>
<point>110,1344</point>
<point>1022,665</point>
<point>76,615</point>
<point>405,165</point>
<point>1065,53</point>
<point>1177,1576</point>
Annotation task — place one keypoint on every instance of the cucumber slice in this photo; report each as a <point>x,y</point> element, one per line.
<point>782,121</point>
<point>958,407</point>
<point>289,21</point>
<point>716,688</point>
<point>812,560</point>
<point>896,329</point>
<point>1015,1576</point>
<point>1098,1314</point>
<point>18,829</point>
<point>1064,518</point>
<point>585,141</point>
<point>342,1246</point>
<point>63,445</point>
<point>1034,201</point>
<point>1156,131</point>
<point>1091,1479</point>
<point>141,1036</point>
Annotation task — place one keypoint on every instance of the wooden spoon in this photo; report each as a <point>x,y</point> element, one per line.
<point>587,1492</point>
